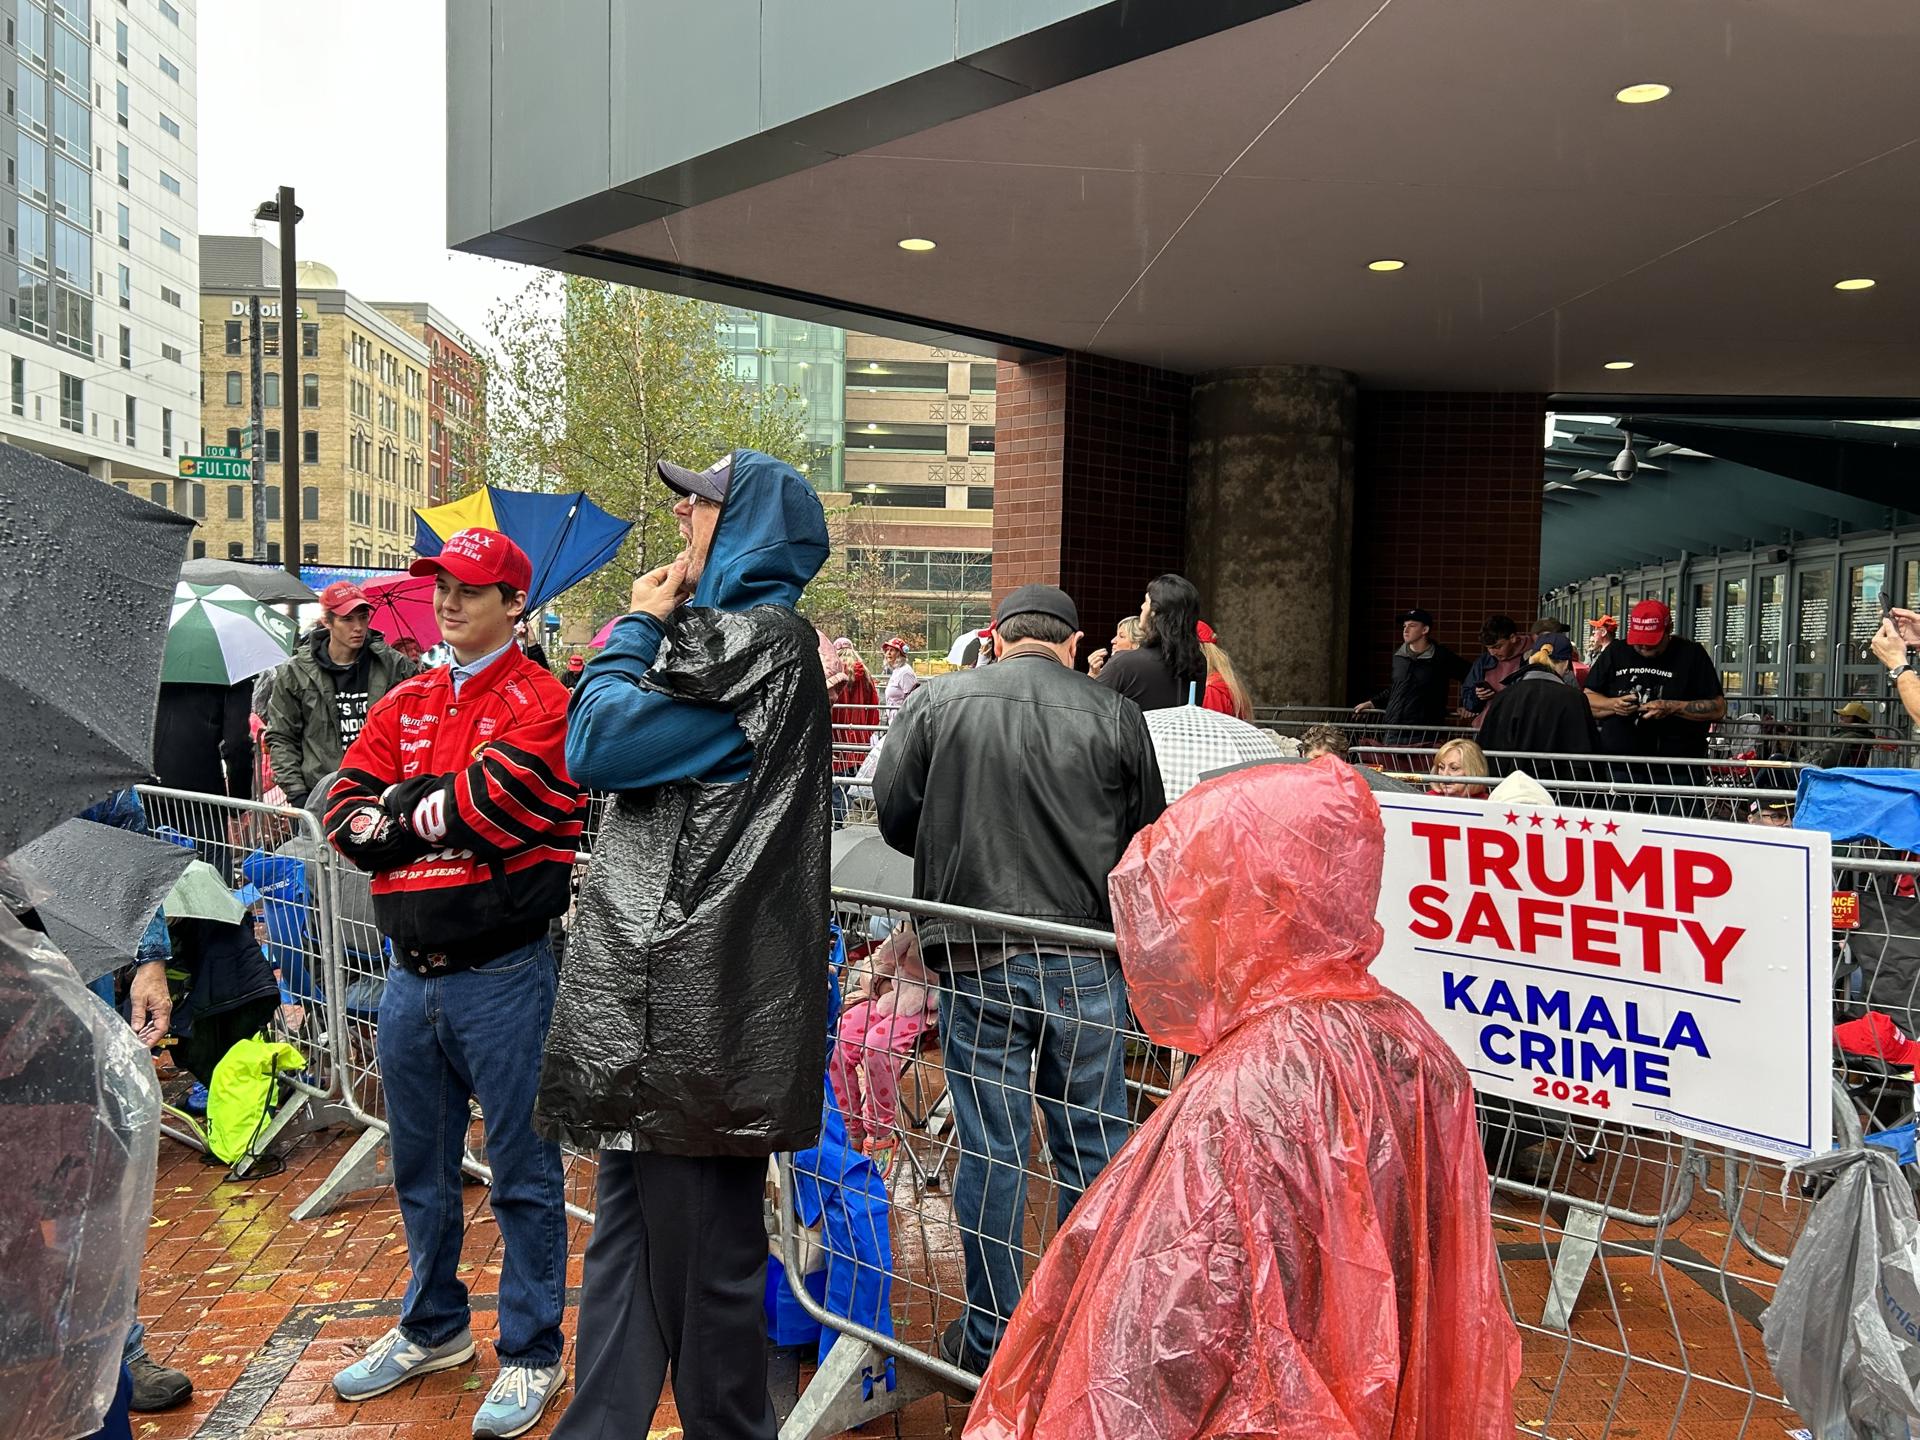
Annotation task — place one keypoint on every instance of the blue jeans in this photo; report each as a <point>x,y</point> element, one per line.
<point>1057,1019</point>
<point>477,1033</point>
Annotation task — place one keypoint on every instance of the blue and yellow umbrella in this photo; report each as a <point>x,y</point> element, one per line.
<point>567,537</point>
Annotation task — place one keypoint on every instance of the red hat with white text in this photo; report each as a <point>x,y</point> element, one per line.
<point>479,556</point>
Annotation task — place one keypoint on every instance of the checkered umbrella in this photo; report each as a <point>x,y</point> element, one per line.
<point>220,635</point>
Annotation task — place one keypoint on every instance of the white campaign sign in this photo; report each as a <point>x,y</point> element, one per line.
<point>1639,969</point>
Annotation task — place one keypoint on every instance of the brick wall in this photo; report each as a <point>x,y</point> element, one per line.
<point>1446,517</point>
<point>1090,480</point>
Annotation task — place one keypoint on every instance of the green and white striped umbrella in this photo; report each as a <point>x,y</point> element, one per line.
<point>220,635</point>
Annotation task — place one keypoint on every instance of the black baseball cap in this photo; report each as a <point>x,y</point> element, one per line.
<point>709,484</point>
<point>1037,600</point>
<point>1418,615</point>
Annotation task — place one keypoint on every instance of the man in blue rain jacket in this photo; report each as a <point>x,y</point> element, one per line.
<point>689,1036</point>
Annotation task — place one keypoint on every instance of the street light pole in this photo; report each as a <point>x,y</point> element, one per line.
<point>290,383</point>
<point>256,461</point>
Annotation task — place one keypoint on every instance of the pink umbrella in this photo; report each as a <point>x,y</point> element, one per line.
<point>599,642</point>
<point>403,609</point>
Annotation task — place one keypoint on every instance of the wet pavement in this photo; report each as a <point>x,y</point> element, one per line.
<point>261,1310</point>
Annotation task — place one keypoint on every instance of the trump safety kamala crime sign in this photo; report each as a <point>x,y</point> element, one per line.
<point>1637,969</point>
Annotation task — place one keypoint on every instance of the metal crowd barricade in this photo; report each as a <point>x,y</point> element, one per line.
<point>1635,1263</point>
<point>1708,789</point>
<point>282,854</point>
<point>360,963</point>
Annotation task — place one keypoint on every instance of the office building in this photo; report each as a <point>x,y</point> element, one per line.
<point>456,396</point>
<point>363,408</point>
<point>99,212</point>
<point>900,442</point>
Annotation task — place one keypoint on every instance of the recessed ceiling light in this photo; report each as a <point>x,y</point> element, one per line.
<point>1642,94</point>
<point>872,426</point>
<point>1861,284</point>
<point>916,244</point>
<point>1384,265</point>
<point>1618,365</point>
<point>873,364</point>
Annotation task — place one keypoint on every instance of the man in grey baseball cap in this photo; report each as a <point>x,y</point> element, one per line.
<point>1026,737</point>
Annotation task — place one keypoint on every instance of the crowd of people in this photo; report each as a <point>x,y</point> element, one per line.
<point>687,1039</point>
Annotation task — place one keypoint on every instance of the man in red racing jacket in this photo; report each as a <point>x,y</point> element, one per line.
<point>456,797</point>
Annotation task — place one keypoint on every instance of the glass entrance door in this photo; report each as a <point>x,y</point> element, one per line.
<point>1860,673</point>
<point>1813,629</point>
<point>1769,631</point>
<point>1734,658</point>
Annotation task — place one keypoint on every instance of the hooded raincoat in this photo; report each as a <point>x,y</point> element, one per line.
<point>691,1017</point>
<point>1297,1245</point>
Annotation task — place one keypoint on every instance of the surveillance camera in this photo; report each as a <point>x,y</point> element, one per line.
<point>1626,463</point>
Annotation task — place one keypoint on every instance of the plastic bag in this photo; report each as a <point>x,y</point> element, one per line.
<point>77,1157</point>
<point>1843,1331</point>
<point>1297,1244</point>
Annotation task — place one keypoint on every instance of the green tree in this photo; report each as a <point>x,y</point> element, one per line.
<point>593,382</point>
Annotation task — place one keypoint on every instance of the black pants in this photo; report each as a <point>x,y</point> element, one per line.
<point>676,1273</point>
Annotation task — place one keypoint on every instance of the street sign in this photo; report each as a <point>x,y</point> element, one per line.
<point>202,467</point>
<point>219,452</point>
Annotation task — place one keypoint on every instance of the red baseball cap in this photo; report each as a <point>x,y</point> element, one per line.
<point>1648,623</point>
<point>1205,632</point>
<point>343,597</point>
<point>479,557</point>
<point>575,662</point>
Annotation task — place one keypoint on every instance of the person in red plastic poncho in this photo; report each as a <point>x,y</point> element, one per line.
<point>1297,1244</point>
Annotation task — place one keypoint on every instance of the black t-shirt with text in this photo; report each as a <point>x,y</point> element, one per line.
<point>1683,671</point>
<point>350,685</point>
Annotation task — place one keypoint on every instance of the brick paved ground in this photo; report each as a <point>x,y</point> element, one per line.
<point>261,1310</point>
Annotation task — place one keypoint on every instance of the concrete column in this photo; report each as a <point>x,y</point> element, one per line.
<point>1270,524</point>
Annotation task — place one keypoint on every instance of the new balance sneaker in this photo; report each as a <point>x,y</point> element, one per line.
<point>393,1359</point>
<point>514,1405</point>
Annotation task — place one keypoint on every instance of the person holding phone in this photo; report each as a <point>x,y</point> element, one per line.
<point>1655,693</point>
<point>1893,642</point>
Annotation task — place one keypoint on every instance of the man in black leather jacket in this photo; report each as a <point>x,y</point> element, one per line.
<point>1016,789</point>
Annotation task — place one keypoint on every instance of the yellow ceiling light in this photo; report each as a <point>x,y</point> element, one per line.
<point>1385,265</point>
<point>1644,94</point>
<point>1618,365</point>
<point>915,244</point>
<point>1860,284</point>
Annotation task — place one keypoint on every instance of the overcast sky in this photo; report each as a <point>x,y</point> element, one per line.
<point>365,148</point>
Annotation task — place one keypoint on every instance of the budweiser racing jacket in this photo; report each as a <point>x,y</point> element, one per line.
<point>462,809</point>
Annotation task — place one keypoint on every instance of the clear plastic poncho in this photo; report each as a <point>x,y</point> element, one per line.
<point>1298,1243</point>
<point>77,1153</point>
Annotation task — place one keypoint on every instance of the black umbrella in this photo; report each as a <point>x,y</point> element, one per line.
<point>86,584</point>
<point>258,582</point>
<point>860,860</point>
<point>95,887</point>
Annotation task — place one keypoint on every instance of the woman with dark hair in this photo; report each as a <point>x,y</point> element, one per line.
<point>1169,668</point>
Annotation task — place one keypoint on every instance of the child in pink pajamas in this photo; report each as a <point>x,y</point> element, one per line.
<point>889,1001</point>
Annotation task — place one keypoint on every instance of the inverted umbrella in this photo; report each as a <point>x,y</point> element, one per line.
<point>262,582</point>
<point>403,608</point>
<point>567,537</point>
<point>85,573</point>
<point>96,887</point>
<point>220,635</point>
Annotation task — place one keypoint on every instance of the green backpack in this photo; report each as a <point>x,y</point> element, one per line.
<point>240,1098</point>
